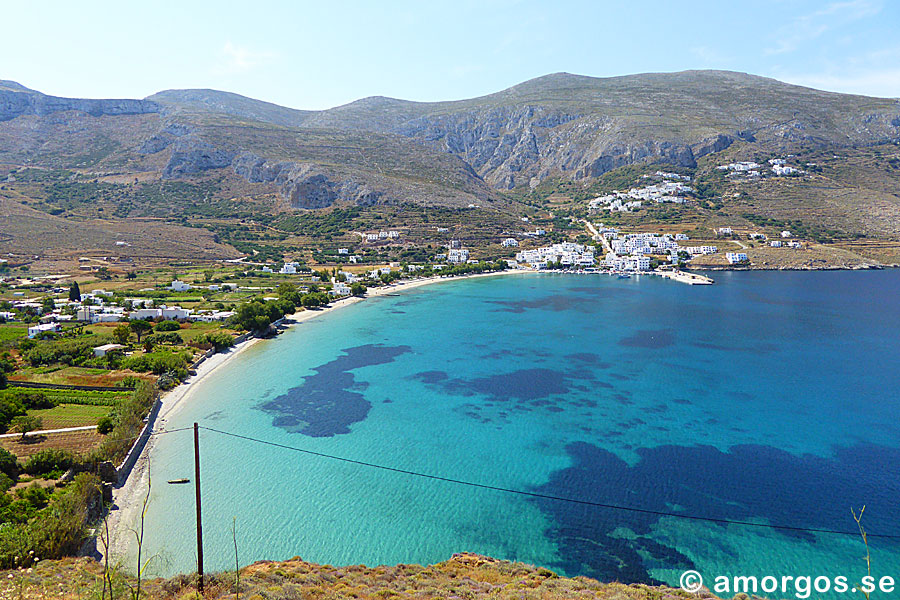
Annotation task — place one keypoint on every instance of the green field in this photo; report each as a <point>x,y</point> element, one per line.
<point>12,331</point>
<point>69,415</point>
<point>79,397</point>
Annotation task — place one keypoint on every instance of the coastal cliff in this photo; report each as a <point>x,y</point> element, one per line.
<point>463,576</point>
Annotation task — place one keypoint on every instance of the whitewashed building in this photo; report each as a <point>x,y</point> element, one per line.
<point>36,330</point>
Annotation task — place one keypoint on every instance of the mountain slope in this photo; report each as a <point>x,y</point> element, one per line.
<point>557,132</point>
<point>582,127</point>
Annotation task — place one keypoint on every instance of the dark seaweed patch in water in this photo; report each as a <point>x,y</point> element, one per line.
<point>327,403</point>
<point>528,389</point>
<point>661,338</point>
<point>525,384</point>
<point>589,358</point>
<point>748,483</point>
<point>554,303</point>
<point>430,376</point>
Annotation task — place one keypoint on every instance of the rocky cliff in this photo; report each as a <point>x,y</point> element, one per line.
<point>17,102</point>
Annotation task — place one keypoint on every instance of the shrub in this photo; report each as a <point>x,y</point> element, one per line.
<point>168,326</point>
<point>129,421</point>
<point>105,425</point>
<point>10,408</point>
<point>156,362</point>
<point>217,339</point>
<point>32,400</point>
<point>56,531</point>
<point>49,462</point>
<point>129,382</point>
<point>9,465</point>
<point>164,338</point>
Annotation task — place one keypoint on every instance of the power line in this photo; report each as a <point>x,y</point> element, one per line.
<point>165,431</point>
<point>496,488</point>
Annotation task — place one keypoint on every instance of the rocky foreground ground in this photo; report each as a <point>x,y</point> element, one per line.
<point>465,576</point>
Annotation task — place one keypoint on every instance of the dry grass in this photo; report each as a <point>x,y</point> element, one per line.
<point>77,442</point>
<point>464,576</point>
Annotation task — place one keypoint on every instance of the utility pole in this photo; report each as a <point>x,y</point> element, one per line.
<point>199,519</point>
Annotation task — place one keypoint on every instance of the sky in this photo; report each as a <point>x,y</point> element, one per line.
<point>315,55</point>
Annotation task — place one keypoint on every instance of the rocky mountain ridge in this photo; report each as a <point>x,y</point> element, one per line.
<point>580,127</point>
<point>17,100</point>
<point>382,150</point>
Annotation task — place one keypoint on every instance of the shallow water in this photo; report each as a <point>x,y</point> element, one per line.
<point>769,397</point>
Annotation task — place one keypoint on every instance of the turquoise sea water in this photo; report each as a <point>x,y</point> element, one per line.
<point>768,397</point>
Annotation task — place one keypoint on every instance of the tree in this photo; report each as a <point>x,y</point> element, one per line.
<point>288,291</point>
<point>309,301</point>
<point>130,275</point>
<point>140,327</point>
<point>48,305</point>
<point>357,289</point>
<point>25,424</point>
<point>122,332</point>
<point>74,292</point>
<point>9,466</point>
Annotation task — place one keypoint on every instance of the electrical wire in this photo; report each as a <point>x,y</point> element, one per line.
<point>540,496</point>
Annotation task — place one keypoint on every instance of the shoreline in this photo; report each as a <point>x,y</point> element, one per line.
<point>129,497</point>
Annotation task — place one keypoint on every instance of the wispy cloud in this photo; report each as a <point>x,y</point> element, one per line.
<point>806,28</point>
<point>239,59</point>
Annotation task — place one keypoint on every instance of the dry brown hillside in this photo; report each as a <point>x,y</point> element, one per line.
<point>467,576</point>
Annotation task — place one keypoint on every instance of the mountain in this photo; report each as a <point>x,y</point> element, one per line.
<point>582,127</point>
<point>561,135</point>
<point>16,100</point>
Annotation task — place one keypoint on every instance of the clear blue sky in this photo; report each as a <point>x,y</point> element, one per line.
<point>320,54</point>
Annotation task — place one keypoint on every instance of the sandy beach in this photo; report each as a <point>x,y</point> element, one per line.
<point>128,499</point>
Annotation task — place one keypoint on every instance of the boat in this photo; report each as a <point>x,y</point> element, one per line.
<point>179,481</point>
<point>624,276</point>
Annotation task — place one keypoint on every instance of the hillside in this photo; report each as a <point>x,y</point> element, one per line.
<point>542,148</point>
<point>463,576</point>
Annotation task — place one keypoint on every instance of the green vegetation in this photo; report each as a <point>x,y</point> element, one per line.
<point>127,418</point>
<point>48,398</point>
<point>803,230</point>
<point>25,424</point>
<point>168,326</point>
<point>159,362</point>
<point>65,350</point>
<point>334,223</point>
<point>15,404</point>
<point>49,464</point>
<point>259,314</point>
<point>38,523</point>
<point>70,415</point>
